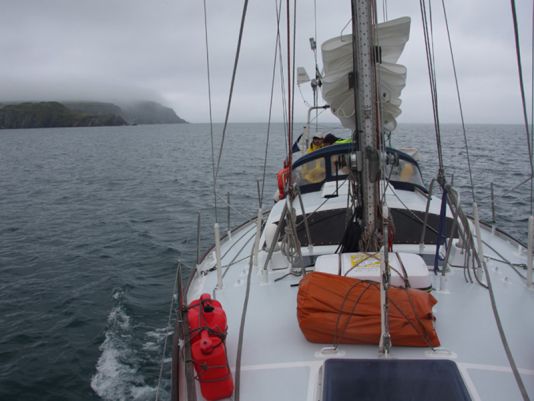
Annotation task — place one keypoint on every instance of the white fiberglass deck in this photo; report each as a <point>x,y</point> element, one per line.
<point>278,363</point>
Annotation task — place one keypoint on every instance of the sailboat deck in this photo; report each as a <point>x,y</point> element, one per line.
<point>278,363</point>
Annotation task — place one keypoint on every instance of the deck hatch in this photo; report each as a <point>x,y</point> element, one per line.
<point>382,380</point>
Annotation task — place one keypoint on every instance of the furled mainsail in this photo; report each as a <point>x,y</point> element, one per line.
<point>391,36</point>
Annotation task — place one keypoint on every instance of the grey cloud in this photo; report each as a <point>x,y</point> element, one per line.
<point>57,49</point>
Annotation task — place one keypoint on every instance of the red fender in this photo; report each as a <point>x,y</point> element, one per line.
<point>281,178</point>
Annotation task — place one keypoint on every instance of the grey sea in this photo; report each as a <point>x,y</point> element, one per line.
<point>94,220</point>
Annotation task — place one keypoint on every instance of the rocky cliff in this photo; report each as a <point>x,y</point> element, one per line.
<point>84,114</point>
<point>140,112</point>
<point>52,114</point>
<point>150,113</point>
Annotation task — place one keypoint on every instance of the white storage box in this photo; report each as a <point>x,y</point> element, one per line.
<point>366,266</point>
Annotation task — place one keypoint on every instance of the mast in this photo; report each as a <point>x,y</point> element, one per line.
<point>365,136</point>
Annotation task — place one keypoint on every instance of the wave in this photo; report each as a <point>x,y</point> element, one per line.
<point>118,375</point>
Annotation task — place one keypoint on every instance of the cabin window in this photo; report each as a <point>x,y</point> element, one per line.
<point>312,172</point>
<point>339,165</point>
<point>404,171</point>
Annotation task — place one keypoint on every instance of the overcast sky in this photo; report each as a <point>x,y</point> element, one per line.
<point>154,49</point>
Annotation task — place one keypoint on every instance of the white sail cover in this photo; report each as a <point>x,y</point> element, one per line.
<point>391,36</point>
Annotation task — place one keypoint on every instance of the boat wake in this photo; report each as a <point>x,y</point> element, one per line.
<point>118,374</point>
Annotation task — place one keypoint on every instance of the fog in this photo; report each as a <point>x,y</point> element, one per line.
<point>118,50</point>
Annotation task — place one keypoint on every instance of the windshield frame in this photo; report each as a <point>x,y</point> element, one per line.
<point>328,152</point>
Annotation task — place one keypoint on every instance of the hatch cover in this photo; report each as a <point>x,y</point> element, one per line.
<point>387,379</point>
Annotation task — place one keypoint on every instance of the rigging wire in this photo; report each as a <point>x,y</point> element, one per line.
<point>236,61</point>
<point>522,86</point>
<point>284,100</point>
<point>532,111</point>
<point>210,110</point>
<point>270,107</point>
<point>282,80</point>
<point>432,38</point>
<point>315,92</point>
<point>433,89</point>
<point>293,71</point>
<point>459,101</point>
<point>168,327</point>
<point>307,104</point>
<point>225,202</point>
<point>289,138</point>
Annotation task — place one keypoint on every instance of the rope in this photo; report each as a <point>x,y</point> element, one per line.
<point>210,110</point>
<point>513,366</point>
<point>164,351</point>
<point>236,61</point>
<point>290,246</point>
<point>337,334</point>
<point>420,330</point>
<point>459,101</point>
<point>504,260</point>
<point>241,331</point>
<point>441,228</point>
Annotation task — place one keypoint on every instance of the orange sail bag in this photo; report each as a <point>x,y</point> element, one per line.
<point>342,310</point>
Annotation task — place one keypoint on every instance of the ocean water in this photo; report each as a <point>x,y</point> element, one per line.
<point>94,220</point>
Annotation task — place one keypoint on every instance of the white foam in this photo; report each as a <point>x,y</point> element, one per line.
<point>113,375</point>
<point>156,339</point>
<point>118,375</point>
